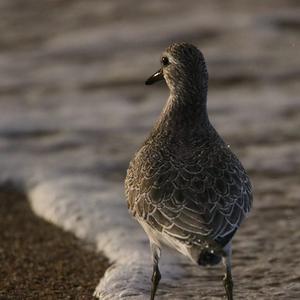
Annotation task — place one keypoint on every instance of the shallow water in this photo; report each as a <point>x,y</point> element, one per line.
<point>74,109</point>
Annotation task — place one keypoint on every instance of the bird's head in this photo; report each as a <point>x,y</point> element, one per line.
<point>183,67</point>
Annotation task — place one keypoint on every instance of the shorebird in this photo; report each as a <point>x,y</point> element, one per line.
<point>184,185</point>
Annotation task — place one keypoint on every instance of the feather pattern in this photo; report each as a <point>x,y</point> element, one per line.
<point>196,195</point>
<point>184,182</point>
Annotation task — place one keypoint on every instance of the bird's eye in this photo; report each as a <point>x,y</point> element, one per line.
<point>165,61</point>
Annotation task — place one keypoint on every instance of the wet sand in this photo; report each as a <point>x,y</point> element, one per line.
<point>74,107</point>
<point>40,260</point>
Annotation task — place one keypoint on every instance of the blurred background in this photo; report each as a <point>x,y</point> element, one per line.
<point>73,102</point>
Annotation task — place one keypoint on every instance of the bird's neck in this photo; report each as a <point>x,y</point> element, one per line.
<point>184,117</point>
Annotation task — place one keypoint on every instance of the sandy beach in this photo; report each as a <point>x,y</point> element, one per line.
<point>39,260</point>
<point>74,109</point>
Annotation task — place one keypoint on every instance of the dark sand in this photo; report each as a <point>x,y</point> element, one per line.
<point>39,260</point>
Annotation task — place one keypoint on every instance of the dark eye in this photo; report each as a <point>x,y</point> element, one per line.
<point>165,61</point>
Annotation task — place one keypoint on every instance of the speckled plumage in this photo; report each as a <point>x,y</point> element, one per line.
<point>184,185</point>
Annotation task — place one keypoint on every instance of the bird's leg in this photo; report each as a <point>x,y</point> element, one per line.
<point>156,274</point>
<point>228,282</point>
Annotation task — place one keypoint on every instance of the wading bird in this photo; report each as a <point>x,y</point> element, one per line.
<point>184,185</point>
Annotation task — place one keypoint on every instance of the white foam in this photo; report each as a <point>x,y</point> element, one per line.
<point>100,216</point>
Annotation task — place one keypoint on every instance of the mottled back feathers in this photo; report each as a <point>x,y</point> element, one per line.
<point>185,182</point>
<point>199,196</point>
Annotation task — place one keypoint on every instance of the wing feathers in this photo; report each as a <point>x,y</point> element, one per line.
<point>206,198</point>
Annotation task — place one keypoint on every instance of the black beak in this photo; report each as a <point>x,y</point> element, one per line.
<point>157,76</point>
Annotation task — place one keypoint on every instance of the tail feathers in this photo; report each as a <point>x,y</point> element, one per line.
<point>206,258</point>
